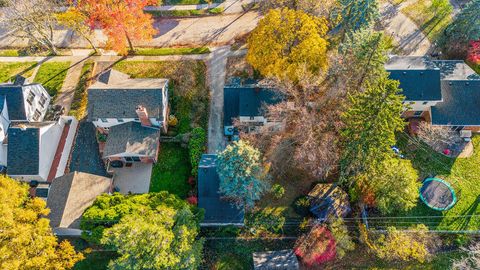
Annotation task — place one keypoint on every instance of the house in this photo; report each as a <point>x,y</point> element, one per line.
<point>246,104</point>
<point>275,260</point>
<point>218,212</point>
<point>115,98</point>
<point>39,150</point>
<point>443,92</point>
<point>328,200</point>
<point>69,196</point>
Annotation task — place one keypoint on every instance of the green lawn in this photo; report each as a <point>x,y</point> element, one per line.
<point>464,176</point>
<point>431,24</point>
<point>96,260</point>
<point>9,52</point>
<point>186,12</point>
<point>51,75</point>
<point>171,51</point>
<point>8,70</point>
<point>79,103</point>
<point>172,170</point>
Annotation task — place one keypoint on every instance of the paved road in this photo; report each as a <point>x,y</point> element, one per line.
<point>406,33</point>
<point>212,31</point>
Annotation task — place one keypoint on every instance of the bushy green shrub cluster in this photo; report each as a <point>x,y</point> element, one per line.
<point>196,147</point>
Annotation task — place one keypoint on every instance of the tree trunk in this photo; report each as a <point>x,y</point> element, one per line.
<point>129,42</point>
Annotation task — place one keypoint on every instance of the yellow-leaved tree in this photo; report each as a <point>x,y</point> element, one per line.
<point>287,41</point>
<point>26,239</point>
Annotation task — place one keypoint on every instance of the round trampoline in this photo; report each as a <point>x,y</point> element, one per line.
<point>437,194</point>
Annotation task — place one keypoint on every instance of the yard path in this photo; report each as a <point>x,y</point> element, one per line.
<point>410,39</point>
<point>217,65</point>
<point>66,94</point>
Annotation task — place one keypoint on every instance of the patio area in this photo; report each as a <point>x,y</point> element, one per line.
<point>134,179</point>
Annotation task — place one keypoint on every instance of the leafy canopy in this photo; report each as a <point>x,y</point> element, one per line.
<point>286,40</point>
<point>357,15</point>
<point>241,174</point>
<point>164,238</point>
<point>26,239</point>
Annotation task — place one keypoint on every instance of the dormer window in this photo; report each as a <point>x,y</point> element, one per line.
<point>31,97</point>
<point>43,99</point>
<point>36,115</point>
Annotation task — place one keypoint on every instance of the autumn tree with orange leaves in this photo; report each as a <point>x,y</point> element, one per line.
<point>123,21</point>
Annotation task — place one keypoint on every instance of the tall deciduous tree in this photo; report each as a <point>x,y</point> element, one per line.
<point>464,28</point>
<point>371,120</point>
<point>33,20</point>
<point>285,40</point>
<point>123,21</point>
<point>76,21</point>
<point>164,238</point>
<point>242,177</point>
<point>356,15</point>
<point>26,239</point>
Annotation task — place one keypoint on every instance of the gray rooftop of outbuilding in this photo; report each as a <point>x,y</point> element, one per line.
<point>460,106</point>
<point>131,137</point>
<point>275,260</point>
<point>217,211</point>
<point>23,153</point>
<point>115,95</point>
<point>71,194</point>
<point>247,101</point>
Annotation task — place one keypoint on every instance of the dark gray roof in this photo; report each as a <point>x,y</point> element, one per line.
<point>460,106</point>
<point>216,210</point>
<point>71,194</point>
<point>23,154</point>
<point>418,85</point>
<point>455,70</point>
<point>15,101</point>
<point>275,260</point>
<point>132,137</point>
<point>247,101</point>
<point>115,95</point>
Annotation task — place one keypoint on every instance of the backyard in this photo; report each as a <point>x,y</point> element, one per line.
<point>461,173</point>
<point>189,103</point>
<point>51,75</point>
<point>8,70</point>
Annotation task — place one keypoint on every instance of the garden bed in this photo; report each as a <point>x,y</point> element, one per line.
<point>51,75</point>
<point>80,98</point>
<point>8,70</point>
<point>186,12</point>
<point>171,51</point>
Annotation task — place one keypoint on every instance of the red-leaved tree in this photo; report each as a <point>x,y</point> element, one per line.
<point>122,21</point>
<point>474,52</point>
<point>316,247</point>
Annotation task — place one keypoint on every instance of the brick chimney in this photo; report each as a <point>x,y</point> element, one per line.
<point>143,116</point>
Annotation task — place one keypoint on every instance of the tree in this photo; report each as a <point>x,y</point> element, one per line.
<point>343,241</point>
<point>164,238</point>
<point>319,8</point>
<point>441,7</point>
<point>371,120</point>
<point>33,20</point>
<point>437,137</point>
<point>393,183</point>
<point>108,210</point>
<point>242,178</point>
<point>124,22</point>
<point>316,247</point>
<point>77,21</point>
<point>26,239</point>
<point>474,52</point>
<point>395,245</point>
<point>356,15</point>
<point>464,28</point>
<point>284,40</point>
<point>471,261</point>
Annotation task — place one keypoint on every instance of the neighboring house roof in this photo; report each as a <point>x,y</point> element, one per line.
<point>460,106</point>
<point>133,138</point>
<point>328,200</point>
<point>71,194</point>
<point>247,101</point>
<point>115,95</point>
<point>217,211</point>
<point>23,154</point>
<point>455,70</point>
<point>275,260</point>
<point>419,77</point>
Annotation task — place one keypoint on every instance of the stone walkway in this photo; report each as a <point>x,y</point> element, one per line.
<point>409,38</point>
<point>66,94</point>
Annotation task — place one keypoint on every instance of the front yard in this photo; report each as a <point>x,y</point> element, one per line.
<point>8,70</point>
<point>462,173</point>
<point>51,75</point>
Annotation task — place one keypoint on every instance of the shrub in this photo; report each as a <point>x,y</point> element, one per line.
<point>301,205</point>
<point>172,120</point>
<point>196,147</point>
<point>277,191</point>
<point>267,221</point>
<point>193,200</point>
<point>316,247</point>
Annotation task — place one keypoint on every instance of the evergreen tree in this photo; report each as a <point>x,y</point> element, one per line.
<point>356,15</point>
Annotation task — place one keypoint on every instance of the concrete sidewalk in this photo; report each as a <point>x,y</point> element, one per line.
<point>229,6</point>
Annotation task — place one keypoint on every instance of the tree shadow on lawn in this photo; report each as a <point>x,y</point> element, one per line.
<point>468,214</point>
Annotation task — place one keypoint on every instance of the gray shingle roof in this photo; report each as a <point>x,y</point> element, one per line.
<point>15,101</point>
<point>247,101</point>
<point>132,137</point>
<point>216,209</point>
<point>23,154</point>
<point>71,194</point>
<point>418,85</point>
<point>117,96</point>
<point>460,106</point>
<point>275,260</point>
